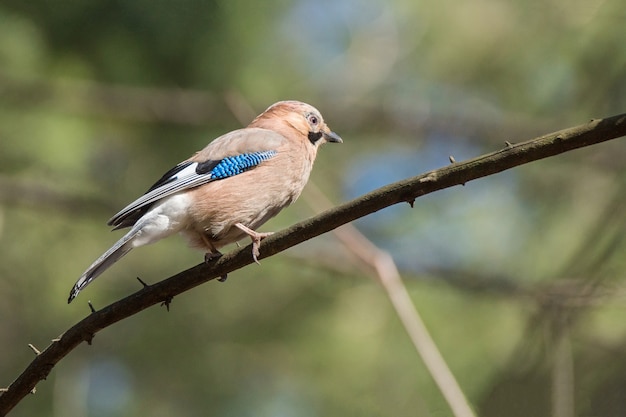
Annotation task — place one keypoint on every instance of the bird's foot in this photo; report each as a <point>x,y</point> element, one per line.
<point>256,239</point>
<point>211,256</point>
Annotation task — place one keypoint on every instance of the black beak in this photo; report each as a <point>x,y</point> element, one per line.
<point>332,137</point>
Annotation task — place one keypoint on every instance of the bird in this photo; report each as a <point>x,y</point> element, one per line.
<point>226,191</point>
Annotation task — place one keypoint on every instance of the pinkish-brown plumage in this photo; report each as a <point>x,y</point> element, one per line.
<point>228,189</point>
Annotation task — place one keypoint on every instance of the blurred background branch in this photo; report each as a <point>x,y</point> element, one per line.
<point>181,106</point>
<point>383,267</point>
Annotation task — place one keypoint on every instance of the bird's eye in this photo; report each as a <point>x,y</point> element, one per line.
<point>313,119</point>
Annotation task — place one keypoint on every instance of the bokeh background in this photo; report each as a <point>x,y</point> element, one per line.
<point>519,277</point>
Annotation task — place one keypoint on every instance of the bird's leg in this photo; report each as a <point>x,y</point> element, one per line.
<point>256,239</point>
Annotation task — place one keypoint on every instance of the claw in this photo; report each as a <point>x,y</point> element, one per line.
<point>211,256</point>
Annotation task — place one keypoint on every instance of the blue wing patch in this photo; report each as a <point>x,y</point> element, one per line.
<point>235,165</point>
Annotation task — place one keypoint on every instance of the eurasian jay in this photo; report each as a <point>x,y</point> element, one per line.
<point>227,190</point>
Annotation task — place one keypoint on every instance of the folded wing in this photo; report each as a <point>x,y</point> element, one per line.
<point>229,155</point>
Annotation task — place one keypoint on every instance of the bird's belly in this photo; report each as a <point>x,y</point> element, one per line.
<point>213,219</point>
<point>222,231</point>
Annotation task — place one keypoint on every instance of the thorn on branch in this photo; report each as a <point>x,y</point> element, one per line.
<point>411,203</point>
<point>167,302</point>
<point>93,310</point>
<point>34,390</point>
<point>142,282</point>
<point>452,160</point>
<point>508,144</point>
<point>34,349</point>
<point>56,339</point>
<point>89,338</point>
<point>223,278</point>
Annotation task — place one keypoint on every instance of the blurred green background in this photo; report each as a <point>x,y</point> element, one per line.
<point>519,277</point>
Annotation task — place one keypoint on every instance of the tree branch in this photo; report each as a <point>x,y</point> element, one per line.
<point>596,131</point>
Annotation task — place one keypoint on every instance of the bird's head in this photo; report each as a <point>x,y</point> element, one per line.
<point>304,118</point>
